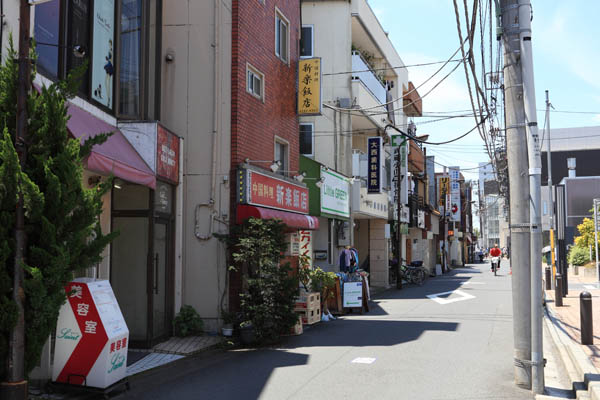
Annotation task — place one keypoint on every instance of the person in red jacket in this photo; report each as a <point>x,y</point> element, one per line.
<point>496,252</point>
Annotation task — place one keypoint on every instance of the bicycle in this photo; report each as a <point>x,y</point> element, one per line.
<point>413,274</point>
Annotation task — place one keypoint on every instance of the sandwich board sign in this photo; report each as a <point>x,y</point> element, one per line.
<point>91,336</point>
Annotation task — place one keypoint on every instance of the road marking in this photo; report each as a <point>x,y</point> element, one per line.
<point>463,296</point>
<point>363,360</point>
<point>590,287</point>
<point>472,283</point>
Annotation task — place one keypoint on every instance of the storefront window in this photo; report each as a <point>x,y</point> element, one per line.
<point>129,196</point>
<point>130,60</point>
<point>78,35</point>
<point>46,33</point>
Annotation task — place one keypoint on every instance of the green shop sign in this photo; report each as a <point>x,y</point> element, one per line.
<point>335,194</point>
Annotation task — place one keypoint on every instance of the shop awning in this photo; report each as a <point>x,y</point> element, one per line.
<point>292,220</point>
<point>116,156</point>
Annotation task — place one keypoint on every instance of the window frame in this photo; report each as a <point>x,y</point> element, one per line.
<point>312,138</point>
<point>279,16</point>
<point>285,165</point>
<point>312,40</point>
<point>251,69</point>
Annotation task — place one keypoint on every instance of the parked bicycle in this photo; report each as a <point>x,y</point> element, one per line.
<point>414,273</point>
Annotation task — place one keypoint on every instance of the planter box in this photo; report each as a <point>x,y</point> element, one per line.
<point>308,301</point>
<point>311,316</point>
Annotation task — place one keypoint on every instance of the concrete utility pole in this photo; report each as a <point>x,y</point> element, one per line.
<point>519,190</point>
<point>535,190</point>
<point>16,386</point>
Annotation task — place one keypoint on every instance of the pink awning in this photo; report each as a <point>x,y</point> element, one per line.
<point>292,220</point>
<point>116,156</point>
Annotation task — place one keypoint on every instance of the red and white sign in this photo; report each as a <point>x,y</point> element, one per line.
<point>267,191</point>
<point>91,336</point>
<point>167,155</point>
<point>306,245</point>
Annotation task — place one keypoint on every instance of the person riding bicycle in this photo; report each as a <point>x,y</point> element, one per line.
<point>496,252</point>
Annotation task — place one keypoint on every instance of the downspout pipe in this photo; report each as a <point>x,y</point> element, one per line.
<point>216,126</point>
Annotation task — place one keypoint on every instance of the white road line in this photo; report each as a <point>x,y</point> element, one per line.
<point>463,296</point>
<point>590,287</point>
<point>363,360</point>
<point>472,283</point>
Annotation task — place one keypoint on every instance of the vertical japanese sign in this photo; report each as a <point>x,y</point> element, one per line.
<point>401,147</point>
<point>167,155</point>
<point>309,86</point>
<point>103,60</point>
<point>91,336</point>
<point>375,147</point>
<point>443,190</point>
<point>306,246</point>
<point>455,194</point>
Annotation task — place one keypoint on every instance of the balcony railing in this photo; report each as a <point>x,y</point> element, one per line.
<point>366,75</point>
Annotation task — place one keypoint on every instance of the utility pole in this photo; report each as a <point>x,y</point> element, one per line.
<point>535,190</point>
<point>550,190</point>
<point>519,189</point>
<point>400,162</point>
<point>16,386</point>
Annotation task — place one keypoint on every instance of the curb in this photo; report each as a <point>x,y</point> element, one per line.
<point>582,373</point>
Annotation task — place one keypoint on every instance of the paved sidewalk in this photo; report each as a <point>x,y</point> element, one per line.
<point>582,362</point>
<point>569,313</point>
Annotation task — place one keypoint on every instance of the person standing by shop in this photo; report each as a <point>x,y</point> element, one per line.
<point>345,259</point>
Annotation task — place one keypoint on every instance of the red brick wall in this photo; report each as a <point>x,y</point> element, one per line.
<point>254,124</point>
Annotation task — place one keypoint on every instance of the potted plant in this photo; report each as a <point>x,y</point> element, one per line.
<point>228,321</point>
<point>247,334</point>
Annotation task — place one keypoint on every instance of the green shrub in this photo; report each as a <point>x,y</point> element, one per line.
<point>187,322</point>
<point>578,255</point>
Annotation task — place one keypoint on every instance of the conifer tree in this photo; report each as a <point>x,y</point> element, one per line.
<point>61,215</point>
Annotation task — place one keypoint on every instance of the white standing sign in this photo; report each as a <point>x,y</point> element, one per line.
<point>352,294</point>
<point>455,194</point>
<point>91,336</point>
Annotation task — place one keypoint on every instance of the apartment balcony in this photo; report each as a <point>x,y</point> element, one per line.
<point>367,77</point>
<point>411,101</point>
<point>416,158</point>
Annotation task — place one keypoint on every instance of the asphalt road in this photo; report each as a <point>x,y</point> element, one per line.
<point>408,347</point>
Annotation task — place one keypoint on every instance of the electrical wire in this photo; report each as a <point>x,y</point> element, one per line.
<point>393,68</point>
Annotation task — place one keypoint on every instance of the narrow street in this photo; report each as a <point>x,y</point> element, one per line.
<point>453,346</point>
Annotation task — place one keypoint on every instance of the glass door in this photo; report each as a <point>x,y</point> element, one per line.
<point>160,272</point>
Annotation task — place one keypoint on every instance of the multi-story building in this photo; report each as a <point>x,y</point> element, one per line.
<point>574,152</point>
<point>361,95</point>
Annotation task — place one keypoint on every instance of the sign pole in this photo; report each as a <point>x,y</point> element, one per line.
<point>399,193</point>
<point>596,236</point>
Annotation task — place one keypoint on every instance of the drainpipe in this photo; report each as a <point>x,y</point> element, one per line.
<point>216,115</point>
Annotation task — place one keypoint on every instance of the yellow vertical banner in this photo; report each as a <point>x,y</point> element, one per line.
<point>309,86</point>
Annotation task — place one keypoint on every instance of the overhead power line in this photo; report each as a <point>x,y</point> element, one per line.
<point>393,68</point>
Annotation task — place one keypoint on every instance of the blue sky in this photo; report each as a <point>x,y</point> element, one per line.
<point>566,43</point>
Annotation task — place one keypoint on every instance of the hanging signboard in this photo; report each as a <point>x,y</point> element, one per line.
<point>167,154</point>
<point>103,61</point>
<point>91,336</point>
<point>352,294</point>
<point>455,194</point>
<point>335,194</point>
<point>399,175</point>
<point>375,164</point>
<point>309,86</point>
<point>259,189</point>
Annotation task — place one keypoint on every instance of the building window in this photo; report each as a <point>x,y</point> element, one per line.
<point>130,35</point>
<point>281,155</point>
<point>111,32</point>
<point>307,41</point>
<point>281,36</point>
<point>46,33</point>
<point>55,54</point>
<point>255,82</point>
<point>307,139</point>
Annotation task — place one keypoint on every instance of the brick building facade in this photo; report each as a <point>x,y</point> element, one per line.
<point>264,121</point>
